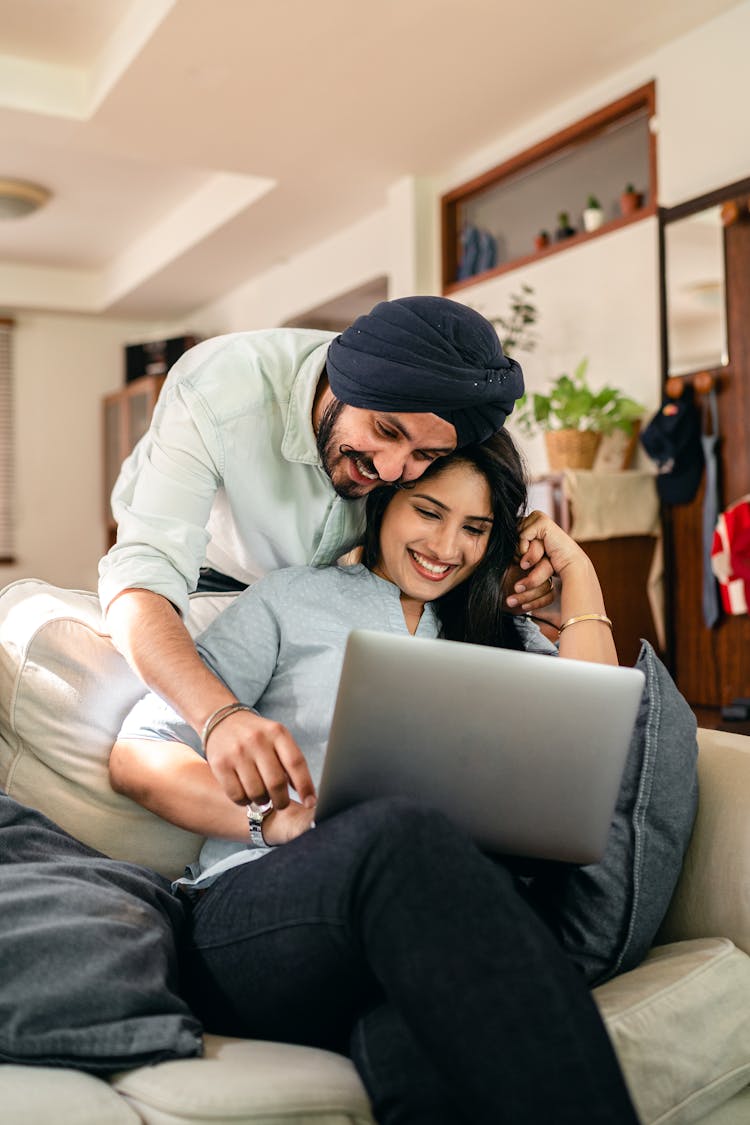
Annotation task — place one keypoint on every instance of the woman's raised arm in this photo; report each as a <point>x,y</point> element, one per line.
<point>585,632</point>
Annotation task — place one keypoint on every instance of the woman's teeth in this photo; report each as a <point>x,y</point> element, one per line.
<point>432,567</point>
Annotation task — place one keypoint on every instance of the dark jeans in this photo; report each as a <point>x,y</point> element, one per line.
<point>386,935</point>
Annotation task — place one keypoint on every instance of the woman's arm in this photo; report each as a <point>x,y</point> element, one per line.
<point>174,782</point>
<point>580,592</point>
<point>248,755</point>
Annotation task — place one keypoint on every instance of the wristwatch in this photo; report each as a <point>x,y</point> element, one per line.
<point>256,814</point>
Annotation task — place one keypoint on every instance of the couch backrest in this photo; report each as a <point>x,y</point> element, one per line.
<point>64,691</point>
<point>712,898</point>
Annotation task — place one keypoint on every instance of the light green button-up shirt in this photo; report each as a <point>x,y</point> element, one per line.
<point>228,475</point>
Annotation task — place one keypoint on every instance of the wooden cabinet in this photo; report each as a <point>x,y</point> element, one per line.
<point>126,417</point>
<point>623,562</point>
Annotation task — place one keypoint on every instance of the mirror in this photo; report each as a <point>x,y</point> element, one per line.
<point>695,292</point>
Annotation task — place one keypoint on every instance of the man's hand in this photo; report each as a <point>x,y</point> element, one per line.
<point>528,587</point>
<point>255,759</point>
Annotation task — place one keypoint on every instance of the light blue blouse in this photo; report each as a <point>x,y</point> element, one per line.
<point>280,647</point>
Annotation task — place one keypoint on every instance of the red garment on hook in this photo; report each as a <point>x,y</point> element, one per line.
<point>730,556</point>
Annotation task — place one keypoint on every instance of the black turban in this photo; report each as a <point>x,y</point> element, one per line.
<point>427,355</point>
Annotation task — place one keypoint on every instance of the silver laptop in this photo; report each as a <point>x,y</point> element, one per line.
<point>524,751</point>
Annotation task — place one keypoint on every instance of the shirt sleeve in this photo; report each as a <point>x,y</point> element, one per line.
<point>533,639</point>
<point>241,645</point>
<point>152,718</point>
<point>162,501</point>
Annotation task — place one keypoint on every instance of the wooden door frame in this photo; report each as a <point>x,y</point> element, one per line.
<point>724,375</point>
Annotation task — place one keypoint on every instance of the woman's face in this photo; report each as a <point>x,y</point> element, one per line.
<point>434,535</point>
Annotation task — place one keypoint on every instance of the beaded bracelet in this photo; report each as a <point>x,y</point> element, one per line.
<point>218,716</point>
<point>585,617</point>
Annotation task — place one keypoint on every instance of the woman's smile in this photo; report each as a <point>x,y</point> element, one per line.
<point>430,568</point>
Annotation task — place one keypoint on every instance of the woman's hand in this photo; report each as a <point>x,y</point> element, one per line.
<point>590,637</point>
<point>540,533</point>
<point>283,825</point>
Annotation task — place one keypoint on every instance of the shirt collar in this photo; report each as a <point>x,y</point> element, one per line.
<point>392,592</point>
<point>299,443</point>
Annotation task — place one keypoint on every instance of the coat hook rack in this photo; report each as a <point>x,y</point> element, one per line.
<point>703,383</point>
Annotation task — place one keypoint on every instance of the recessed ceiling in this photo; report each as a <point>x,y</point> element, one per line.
<point>190,145</point>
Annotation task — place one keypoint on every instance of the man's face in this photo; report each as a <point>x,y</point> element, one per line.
<point>362,449</point>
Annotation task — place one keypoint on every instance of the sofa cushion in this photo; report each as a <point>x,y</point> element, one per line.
<point>88,954</point>
<point>712,894</point>
<point>250,1081</point>
<point>680,1024</point>
<point>607,914</point>
<point>60,1097</point>
<point>64,691</point>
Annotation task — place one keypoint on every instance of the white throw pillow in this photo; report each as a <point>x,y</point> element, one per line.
<point>64,691</point>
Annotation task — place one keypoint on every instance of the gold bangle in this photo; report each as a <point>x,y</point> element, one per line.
<point>585,617</point>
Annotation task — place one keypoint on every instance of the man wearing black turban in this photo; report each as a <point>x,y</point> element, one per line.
<point>260,452</point>
<point>427,354</point>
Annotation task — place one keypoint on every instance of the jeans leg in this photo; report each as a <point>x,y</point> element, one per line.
<point>390,899</point>
<point>402,1082</point>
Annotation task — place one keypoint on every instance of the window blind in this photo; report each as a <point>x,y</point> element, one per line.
<point>6,441</point>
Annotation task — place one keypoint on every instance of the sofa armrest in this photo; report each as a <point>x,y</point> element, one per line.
<point>712,898</point>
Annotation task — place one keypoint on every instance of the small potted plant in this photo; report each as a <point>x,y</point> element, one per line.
<point>593,215</point>
<point>541,240</point>
<point>573,418</point>
<point>564,229</point>
<point>630,200</point>
<point>516,330</point>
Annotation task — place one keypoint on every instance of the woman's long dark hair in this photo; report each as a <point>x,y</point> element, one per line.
<point>472,611</point>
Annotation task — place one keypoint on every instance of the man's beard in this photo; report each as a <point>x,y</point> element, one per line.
<point>330,451</point>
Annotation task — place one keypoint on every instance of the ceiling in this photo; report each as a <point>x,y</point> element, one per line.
<point>192,144</point>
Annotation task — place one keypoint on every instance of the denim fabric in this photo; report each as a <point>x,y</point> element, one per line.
<point>386,934</point>
<point>88,962</point>
<point>606,915</point>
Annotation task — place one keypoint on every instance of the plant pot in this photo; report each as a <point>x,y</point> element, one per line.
<point>593,217</point>
<point>630,202</point>
<point>571,449</point>
<point>617,450</point>
<point>541,241</point>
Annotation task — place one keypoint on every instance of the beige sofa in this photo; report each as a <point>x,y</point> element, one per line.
<point>680,1022</point>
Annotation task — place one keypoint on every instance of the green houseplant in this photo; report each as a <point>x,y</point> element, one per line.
<point>516,330</point>
<point>593,214</point>
<point>573,417</point>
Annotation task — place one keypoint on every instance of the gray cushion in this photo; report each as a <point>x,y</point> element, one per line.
<point>606,915</point>
<point>88,965</point>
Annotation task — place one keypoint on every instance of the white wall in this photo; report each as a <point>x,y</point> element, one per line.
<point>349,259</point>
<point>702,104</point>
<point>703,143</point>
<point>585,298</point>
<point>63,365</point>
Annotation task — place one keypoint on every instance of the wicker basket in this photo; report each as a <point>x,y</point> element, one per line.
<point>571,449</point>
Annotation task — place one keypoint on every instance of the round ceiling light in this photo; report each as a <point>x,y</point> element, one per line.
<point>19,198</point>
